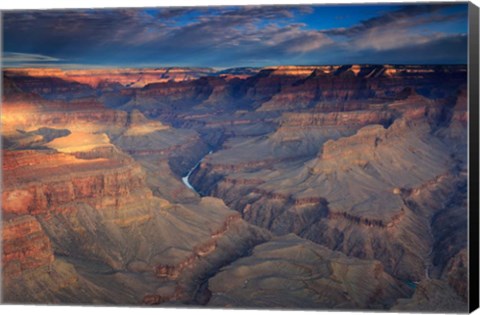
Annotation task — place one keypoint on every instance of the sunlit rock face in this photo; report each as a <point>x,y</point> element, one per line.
<point>97,78</point>
<point>319,186</point>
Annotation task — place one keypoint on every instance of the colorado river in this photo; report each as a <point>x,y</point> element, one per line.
<point>185,178</point>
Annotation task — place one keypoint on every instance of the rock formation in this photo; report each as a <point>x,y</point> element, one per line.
<point>289,272</point>
<point>319,186</point>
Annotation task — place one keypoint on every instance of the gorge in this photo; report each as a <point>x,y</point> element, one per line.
<point>186,178</point>
<point>315,187</point>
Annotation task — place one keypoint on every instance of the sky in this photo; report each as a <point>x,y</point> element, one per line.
<point>241,36</point>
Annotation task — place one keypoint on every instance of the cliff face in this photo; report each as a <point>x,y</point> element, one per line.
<point>350,118</point>
<point>52,87</point>
<point>25,246</point>
<point>89,120</point>
<point>317,277</point>
<point>23,113</point>
<point>39,182</point>
<point>97,78</point>
<point>432,295</point>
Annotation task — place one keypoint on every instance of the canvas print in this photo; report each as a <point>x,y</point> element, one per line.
<point>293,157</point>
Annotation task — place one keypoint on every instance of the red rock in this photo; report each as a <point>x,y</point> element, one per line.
<point>25,246</point>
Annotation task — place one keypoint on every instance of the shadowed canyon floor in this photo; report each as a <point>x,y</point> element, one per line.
<point>322,187</point>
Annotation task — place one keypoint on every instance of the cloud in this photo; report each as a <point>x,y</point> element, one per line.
<point>94,29</point>
<point>440,49</point>
<point>248,12</point>
<point>406,16</point>
<point>215,36</point>
<point>171,13</point>
<point>410,29</point>
<point>385,40</point>
<point>444,49</point>
<point>70,26</point>
<point>293,38</point>
<point>13,58</point>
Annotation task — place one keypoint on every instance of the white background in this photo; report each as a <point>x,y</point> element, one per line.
<point>69,310</point>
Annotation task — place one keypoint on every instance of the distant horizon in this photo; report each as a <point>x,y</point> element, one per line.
<point>112,67</point>
<point>229,36</point>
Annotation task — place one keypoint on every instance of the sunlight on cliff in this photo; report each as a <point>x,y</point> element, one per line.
<point>79,142</point>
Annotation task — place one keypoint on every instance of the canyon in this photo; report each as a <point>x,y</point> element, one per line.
<point>315,187</point>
